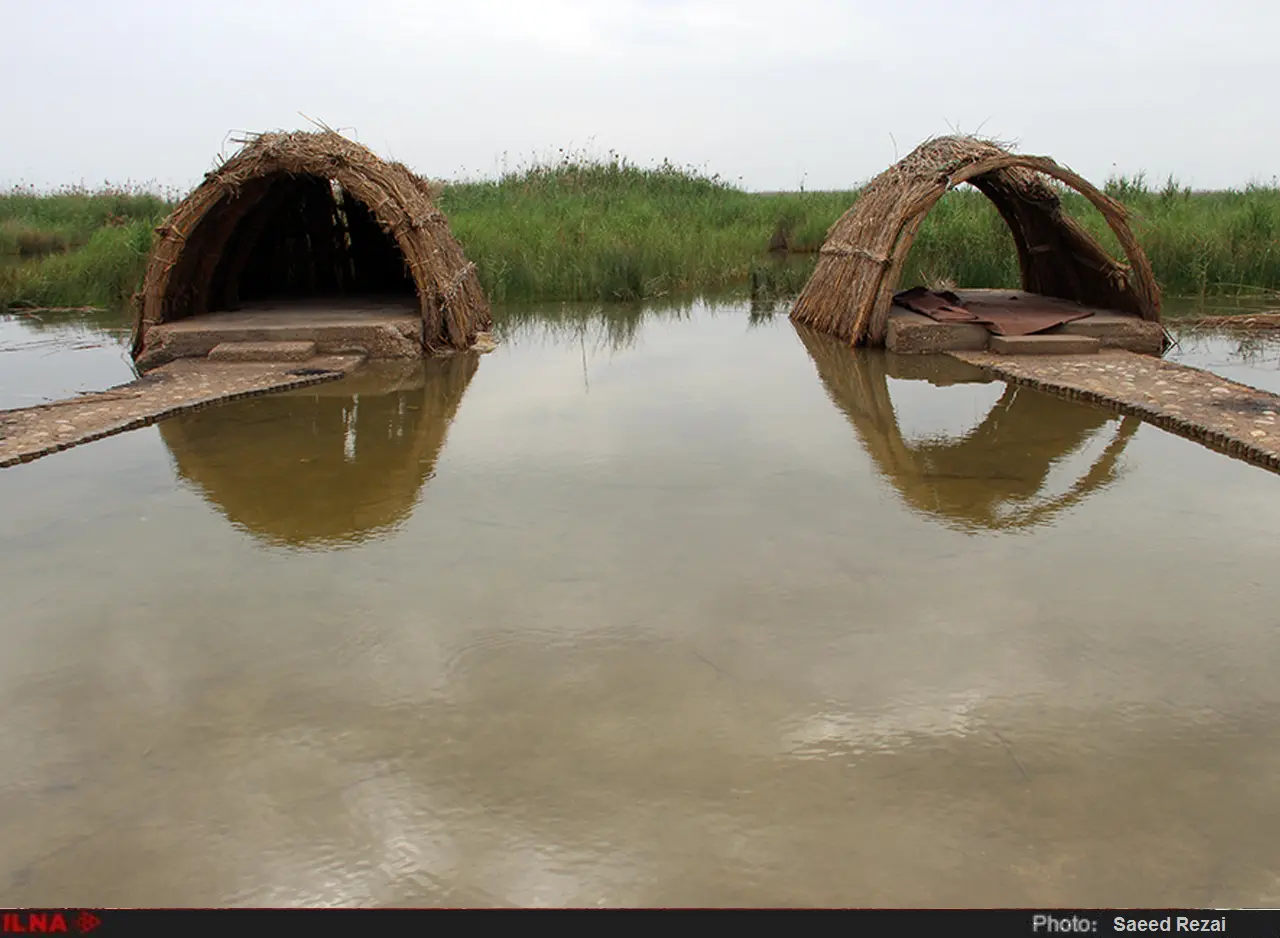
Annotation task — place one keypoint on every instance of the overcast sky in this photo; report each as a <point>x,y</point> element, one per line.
<point>771,94</point>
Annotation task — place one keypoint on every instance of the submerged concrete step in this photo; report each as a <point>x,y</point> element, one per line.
<point>262,352</point>
<point>1044,345</point>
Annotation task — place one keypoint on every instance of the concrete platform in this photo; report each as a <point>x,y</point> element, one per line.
<point>1043,344</point>
<point>911,333</point>
<point>375,329</point>
<point>262,352</point>
<point>1118,331</point>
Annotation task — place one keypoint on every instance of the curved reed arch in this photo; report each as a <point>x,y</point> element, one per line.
<point>196,258</point>
<point>861,262</point>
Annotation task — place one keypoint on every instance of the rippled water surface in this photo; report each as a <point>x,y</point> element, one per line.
<point>1252,358</point>
<point>661,606</point>
<point>48,356</point>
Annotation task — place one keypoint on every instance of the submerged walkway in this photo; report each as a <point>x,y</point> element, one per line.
<point>183,385</point>
<point>1232,418</point>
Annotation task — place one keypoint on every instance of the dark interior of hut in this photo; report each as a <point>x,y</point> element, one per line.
<point>305,238</point>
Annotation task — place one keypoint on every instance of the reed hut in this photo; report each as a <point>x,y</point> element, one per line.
<point>994,477</point>
<point>328,466</point>
<point>860,263</point>
<point>308,230</point>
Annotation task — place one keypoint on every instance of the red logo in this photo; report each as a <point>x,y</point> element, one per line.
<point>33,923</point>
<point>47,923</point>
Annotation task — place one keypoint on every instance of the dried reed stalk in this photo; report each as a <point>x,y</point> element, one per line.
<point>1255,321</point>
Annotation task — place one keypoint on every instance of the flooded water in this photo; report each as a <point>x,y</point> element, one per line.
<point>49,356</point>
<point>662,606</point>
<point>1250,357</point>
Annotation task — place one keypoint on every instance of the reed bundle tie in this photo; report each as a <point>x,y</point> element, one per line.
<point>841,251</point>
<point>455,283</point>
<point>425,220</point>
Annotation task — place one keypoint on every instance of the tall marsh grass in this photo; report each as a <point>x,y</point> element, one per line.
<point>582,228</point>
<point>578,229</point>
<point>1199,243</point>
<point>76,247</point>
<point>104,272</point>
<point>33,224</point>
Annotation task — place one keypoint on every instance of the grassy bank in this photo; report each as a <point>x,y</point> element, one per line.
<point>75,247</point>
<point>584,230</point>
<point>580,229</point>
<point>34,224</point>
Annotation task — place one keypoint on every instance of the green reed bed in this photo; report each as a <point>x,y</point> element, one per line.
<point>578,228</point>
<point>104,272</point>
<point>609,230</point>
<point>1199,243</point>
<point>1203,243</point>
<point>34,224</point>
<point>75,247</point>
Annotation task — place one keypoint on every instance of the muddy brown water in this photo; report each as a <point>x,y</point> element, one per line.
<point>662,606</point>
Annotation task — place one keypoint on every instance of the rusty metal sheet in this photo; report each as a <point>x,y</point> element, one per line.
<point>942,305</point>
<point>1024,314</point>
<point>1002,314</point>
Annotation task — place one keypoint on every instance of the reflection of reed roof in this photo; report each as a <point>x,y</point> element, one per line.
<point>988,479</point>
<point>311,214</point>
<point>324,466</point>
<point>852,288</point>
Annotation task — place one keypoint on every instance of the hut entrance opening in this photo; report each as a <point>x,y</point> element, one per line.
<point>988,255</point>
<point>303,245</point>
<point>963,242</point>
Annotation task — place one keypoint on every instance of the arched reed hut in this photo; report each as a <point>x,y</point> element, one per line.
<point>852,289</point>
<point>308,236</point>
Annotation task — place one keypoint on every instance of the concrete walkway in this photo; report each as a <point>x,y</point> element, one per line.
<point>1231,418</point>
<point>187,384</point>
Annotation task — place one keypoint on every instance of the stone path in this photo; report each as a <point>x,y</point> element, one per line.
<point>1231,418</point>
<point>186,384</point>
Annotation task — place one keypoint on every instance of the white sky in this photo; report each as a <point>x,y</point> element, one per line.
<point>771,94</point>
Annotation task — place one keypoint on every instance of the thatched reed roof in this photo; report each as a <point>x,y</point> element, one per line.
<point>326,466</point>
<point>860,263</point>
<point>205,247</point>
<point>993,477</point>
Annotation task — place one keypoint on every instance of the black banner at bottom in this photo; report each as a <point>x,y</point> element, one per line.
<point>105,923</point>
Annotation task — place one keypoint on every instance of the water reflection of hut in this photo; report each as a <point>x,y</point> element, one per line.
<point>852,288</point>
<point>993,477</point>
<point>329,465</point>
<point>308,236</point>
